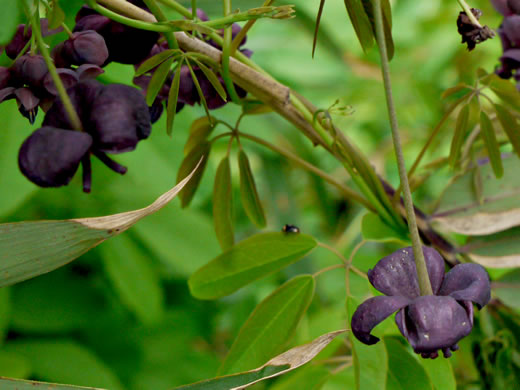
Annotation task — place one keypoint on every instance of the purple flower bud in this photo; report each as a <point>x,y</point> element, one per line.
<point>68,77</point>
<point>88,71</point>
<point>84,47</point>
<point>5,77</point>
<point>514,6</point>
<point>50,157</point>
<point>30,70</point>
<point>118,119</point>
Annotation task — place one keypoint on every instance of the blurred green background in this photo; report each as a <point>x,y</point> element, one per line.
<point>121,316</point>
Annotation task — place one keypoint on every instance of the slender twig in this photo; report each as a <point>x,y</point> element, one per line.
<point>420,263</point>
<point>62,93</point>
<point>159,15</point>
<point>468,12</point>
<point>329,268</point>
<point>226,47</point>
<point>349,193</point>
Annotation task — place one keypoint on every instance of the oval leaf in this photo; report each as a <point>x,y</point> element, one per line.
<point>441,373</point>
<point>19,384</point>
<point>157,80</point>
<point>173,97</point>
<point>200,129</point>
<point>199,155</point>
<point>249,260</point>
<point>213,79</point>
<point>499,250</point>
<point>404,370</point>
<point>286,362</point>
<point>9,19</point>
<point>460,209</point>
<point>510,126</point>
<point>65,361</point>
<point>29,249</point>
<point>154,61</point>
<point>270,326</point>
<point>490,140</point>
<point>222,205</point>
<point>361,23</point>
<point>370,361</point>
<point>458,137</point>
<point>249,194</point>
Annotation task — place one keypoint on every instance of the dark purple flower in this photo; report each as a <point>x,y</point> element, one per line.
<point>23,35</point>
<point>50,157</point>
<point>30,70</point>
<point>125,44</point>
<point>84,47</point>
<point>430,322</point>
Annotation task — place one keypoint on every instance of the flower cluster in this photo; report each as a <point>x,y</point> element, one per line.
<point>188,93</point>
<point>429,322</point>
<point>114,117</point>
<point>509,32</point>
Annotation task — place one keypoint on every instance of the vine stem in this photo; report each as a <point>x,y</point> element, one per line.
<point>226,50</point>
<point>62,93</point>
<point>468,12</point>
<point>420,263</point>
<point>159,15</point>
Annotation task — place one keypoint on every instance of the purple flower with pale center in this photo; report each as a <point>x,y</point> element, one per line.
<point>430,322</point>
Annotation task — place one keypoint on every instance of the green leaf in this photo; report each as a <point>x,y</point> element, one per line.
<point>361,23</point>
<point>173,97</point>
<point>453,90</point>
<point>200,129</point>
<point>10,17</point>
<point>374,228</point>
<point>13,365</point>
<point>5,313</point>
<point>255,107</point>
<point>249,260</point>
<point>158,79</point>
<point>310,377</point>
<point>404,370</point>
<point>198,155</point>
<point>458,137</point>
<point>271,325</point>
<point>65,361</point>
<point>510,126</point>
<point>387,22</point>
<point>154,61</point>
<point>56,16</point>
<point>461,211</point>
<point>249,194</point>
<point>370,361</point>
<point>223,205</point>
<point>504,89</point>
<point>199,89</point>
<point>134,279</point>
<point>56,302</point>
<point>28,249</point>
<point>441,373</point>
<point>490,140</point>
<point>499,250</point>
<point>506,288</point>
<point>18,384</point>
<point>317,28</point>
<point>281,364</point>
<point>213,79</point>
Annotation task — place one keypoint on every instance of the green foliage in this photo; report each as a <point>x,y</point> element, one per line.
<point>9,19</point>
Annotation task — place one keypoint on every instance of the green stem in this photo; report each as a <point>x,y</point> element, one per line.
<point>159,15</point>
<point>225,57</point>
<point>467,10</point>
<point>349,193</point>
<point>178,8</point>
<point>62,93</point>
<point>420,263</point>
<point>193,9</point>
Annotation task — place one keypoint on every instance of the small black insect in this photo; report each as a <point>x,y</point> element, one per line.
<point>290,229</point>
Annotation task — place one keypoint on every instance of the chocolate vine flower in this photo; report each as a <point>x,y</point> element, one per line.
<point>50,157</point>
<point>429,322</point>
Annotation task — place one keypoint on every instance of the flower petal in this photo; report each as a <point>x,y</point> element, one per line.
<point>467,282</point>
<point>396,274</point>
<point>372,312</point>
<point>433,322</point>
